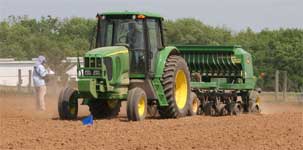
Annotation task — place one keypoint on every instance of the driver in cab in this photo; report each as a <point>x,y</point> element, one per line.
<point>134,37</point>
<point>135,40</point>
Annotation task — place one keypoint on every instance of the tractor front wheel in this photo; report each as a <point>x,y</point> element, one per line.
<point>136,104</point>
<point>68,104</point>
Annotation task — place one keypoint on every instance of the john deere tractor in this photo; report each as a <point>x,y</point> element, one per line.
<point>131,62</point>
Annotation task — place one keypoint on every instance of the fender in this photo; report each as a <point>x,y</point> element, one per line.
<point>162,57</point>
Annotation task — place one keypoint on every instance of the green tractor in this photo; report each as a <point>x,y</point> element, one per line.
<point>132,63</point>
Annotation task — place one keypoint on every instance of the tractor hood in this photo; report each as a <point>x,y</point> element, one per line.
<point>106,51</point>
<point>105,69</point>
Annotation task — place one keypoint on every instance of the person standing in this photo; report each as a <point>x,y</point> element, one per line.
<point>39,76</point>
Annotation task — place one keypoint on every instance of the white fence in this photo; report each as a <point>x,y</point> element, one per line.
<point>17,73</point>
<point>9,73</point>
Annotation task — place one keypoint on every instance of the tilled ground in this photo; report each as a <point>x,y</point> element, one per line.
<point>279,127</point>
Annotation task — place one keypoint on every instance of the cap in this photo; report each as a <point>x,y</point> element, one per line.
<point>42,59</point>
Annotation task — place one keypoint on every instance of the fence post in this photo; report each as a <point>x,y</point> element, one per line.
<point>285,86</point>
<point>277,85</point>
<point>19,80</point>
<point>29,81</point>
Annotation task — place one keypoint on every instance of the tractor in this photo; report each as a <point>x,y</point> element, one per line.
<point>130,62</point>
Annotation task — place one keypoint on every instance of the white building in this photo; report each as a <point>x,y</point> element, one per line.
<point>9,71</point>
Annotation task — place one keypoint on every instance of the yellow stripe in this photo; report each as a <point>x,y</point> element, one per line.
<point>119,52</point>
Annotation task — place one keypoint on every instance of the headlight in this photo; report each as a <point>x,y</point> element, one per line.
<point>87,73</point>
<point>96,72</point>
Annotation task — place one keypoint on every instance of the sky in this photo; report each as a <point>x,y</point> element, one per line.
<point>236,15</point>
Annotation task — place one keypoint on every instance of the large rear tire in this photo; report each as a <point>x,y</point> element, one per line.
<point>136,104</point>
<point>105,108</point>
<point>68,104</point>
<point>175,81</point>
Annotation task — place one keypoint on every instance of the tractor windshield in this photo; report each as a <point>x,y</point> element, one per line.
<point>121,31</point>
<point>124,31</point>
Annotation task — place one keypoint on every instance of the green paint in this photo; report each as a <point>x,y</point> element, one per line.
<point>105,51</point>
<point>160,92</point>
<point>207,48</point>
<point>137,76</point>
<point>220,64</point>
<point>161,60</point>
<point>112,79</point>
<point>204,85</point>
<point>87,88</point>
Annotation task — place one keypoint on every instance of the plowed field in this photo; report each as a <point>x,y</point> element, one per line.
<point>280,126</point>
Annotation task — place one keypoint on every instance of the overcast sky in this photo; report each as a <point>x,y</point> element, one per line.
<point>234,14</point>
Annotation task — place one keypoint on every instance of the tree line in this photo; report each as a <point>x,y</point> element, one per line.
<point>24,38</point>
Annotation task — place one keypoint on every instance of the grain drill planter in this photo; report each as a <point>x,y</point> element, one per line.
<point>131,62</point>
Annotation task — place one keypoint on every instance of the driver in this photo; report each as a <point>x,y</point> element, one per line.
<point>135,40</point>
<point>134,37</point>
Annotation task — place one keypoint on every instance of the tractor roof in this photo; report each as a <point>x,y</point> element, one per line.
<point>153,15</point>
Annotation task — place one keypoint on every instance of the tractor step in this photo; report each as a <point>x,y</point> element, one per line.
<point>160,92</point>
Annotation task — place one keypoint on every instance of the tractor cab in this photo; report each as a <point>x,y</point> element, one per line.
<point>141,33</point>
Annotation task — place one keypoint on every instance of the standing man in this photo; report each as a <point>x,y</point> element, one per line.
<point>39,76</point>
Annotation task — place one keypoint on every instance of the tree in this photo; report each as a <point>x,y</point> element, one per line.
<point>24,38</point>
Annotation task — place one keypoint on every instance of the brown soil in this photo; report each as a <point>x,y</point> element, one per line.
<point>279,127</point>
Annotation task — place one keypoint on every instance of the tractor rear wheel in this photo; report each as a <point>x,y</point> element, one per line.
<point>193,104</point>
<point>68,104</point>
<point>136,104</point>
<point>105,108</point>
<point>175,81</point>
